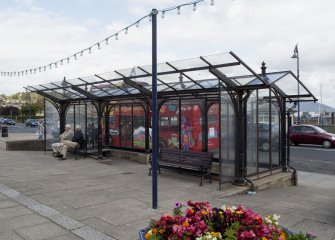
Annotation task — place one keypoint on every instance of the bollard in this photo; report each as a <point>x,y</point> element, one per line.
<point>4,131</point>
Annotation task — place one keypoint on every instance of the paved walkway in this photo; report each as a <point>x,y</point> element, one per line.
<point>42,198</point>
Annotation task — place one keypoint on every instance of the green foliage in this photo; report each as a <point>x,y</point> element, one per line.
<point>231,231</point>
<point>300,236</point>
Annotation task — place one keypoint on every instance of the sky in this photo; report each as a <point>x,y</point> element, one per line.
<point>35,33</point>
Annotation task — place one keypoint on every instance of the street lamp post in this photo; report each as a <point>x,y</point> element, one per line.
<point>296,55</point>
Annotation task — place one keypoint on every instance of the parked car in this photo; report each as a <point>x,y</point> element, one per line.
<point>1,120</point>
<point>8,121</point>
<point>310,134</point>
<point>31,123</point>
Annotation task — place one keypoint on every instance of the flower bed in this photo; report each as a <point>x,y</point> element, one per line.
<point>199,221</point>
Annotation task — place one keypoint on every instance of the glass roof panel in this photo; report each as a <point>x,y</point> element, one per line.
<point>109,75</point>
<point>209,83</point>
<point>76,81</point>
<point>161,67</point>
<point>128,72</point>
<point>56,95</point>
<point>39,87</point>
<point>188,63</point>
<point>289,85</point>
<point>233,71</point>
<point>170,78</point>
<point>91,79</point>
<point>200,75</point>
<point>221,58</point>
<point>270,78</point>
<point>186,85</point>
<point>245,80</point>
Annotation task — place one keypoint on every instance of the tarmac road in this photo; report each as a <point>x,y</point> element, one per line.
<point>313,159</point>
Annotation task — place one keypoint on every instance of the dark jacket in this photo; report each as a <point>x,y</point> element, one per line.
<point>78,137</point>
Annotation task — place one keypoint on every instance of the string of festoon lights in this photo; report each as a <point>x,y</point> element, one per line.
<point>106,41</point>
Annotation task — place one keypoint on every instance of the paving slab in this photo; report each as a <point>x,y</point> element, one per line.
<point>40,232</point>
<point>84,199</point>
<point>10,235</point>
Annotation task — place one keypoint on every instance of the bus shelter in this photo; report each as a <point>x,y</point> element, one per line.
<point>213,103</point>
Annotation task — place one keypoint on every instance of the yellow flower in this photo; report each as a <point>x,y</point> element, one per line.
<point>154,230</point>
<point>264,238</point>
<point>161,231</point>
<point>148,234</point>
<point>186,224</point>
<point>282,236</point>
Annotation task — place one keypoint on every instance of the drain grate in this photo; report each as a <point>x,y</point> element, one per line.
<point>128,173</point>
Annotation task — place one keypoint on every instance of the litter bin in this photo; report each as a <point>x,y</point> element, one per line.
<point>4,131</point>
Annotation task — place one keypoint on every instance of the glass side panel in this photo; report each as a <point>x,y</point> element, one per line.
<point>168,123</point>
<point>213,121</point>
<point>190,126</point>
<point>80,117</point>
<point>114,126</point>
<point>126,126</point>
<point>139,127</point>
<point>251,132</point>
<point>51,124</point>
<point>228,125</point>
<point>92,127</point>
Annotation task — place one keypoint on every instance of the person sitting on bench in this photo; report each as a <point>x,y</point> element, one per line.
<point>77,141</point>
<point>66,135</point>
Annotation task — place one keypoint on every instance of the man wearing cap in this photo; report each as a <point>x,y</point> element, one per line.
<point>66,135</point>
<point>77,141</point>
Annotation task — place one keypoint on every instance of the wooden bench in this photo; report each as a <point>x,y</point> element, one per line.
<point>199,163</point>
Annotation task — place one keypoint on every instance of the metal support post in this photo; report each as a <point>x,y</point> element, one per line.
<point>154,13</point>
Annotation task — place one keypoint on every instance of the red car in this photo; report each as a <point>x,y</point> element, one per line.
<point>309,134</point>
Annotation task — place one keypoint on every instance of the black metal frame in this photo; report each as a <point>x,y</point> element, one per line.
<point>121,89</point>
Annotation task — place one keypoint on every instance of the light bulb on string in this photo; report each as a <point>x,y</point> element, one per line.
<point>89,51</point>
<point>150,18</point>
<point>178,10</point>
<point>116,36</point>
<point>212,2</point>
<point>81,53</point>
<point>55,65</point>
<point>106,41</point>
<point>138,24</point>
<point>98,44</point>
<point>194,7</point>
<point>61,62</point>
<point>163,15</point>
<point>39,69</point>
<point>68,60</point>
<point>18,74</point>
<point>75,57</point>
<point>126,31</point>
<point>26,72</point>
<point>34,71</point>
<point>50,66</point>
<point>31,71</point>
<point>45,68</point>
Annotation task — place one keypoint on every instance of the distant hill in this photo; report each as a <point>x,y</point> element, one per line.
<point>314,107</point>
